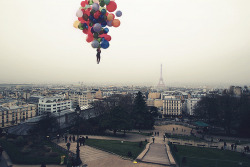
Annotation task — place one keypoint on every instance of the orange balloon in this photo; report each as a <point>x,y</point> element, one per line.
<point>110,17</point>
<point>116,23</point>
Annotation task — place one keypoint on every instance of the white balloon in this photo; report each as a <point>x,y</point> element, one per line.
<point>79,13</point>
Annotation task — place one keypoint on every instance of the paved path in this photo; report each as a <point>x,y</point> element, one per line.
<point>156,154</point>
<point>97,158</point>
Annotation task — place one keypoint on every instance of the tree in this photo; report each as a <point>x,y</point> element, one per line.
<point>46,125</point>
<point>117,119</point>
<point>141,115</point>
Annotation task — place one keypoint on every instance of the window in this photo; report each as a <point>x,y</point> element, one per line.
<point>48,105</point>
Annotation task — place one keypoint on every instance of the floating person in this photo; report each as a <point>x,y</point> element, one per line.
<point>98,55</point>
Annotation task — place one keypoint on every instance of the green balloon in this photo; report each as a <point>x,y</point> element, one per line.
<point>106,2</point>
<point>102,4</point>
<point>91,24</point>
<point>91,2</point>
<point>99,39</point>
<point>96,35</point>
<point>80,26</point>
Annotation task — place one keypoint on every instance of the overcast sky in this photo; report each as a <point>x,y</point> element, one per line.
<point>197,41</point>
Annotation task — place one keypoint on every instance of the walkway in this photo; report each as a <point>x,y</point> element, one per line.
<point>97,158</point>
<point>157,154</point>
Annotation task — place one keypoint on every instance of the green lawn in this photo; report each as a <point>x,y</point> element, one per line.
<point>208,157</point>
<point>117,147</point>
<point>141,133</point>
<point>33,154</point>
<point>193,138</point>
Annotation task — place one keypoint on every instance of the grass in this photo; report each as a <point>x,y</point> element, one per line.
<point>208,157</point>
<point>193,138</point>
<point>31,155</point>
<point>141,133</point>
<point>117,147</point>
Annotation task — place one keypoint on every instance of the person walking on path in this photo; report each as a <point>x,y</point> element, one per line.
<point>66,138</point>
<point>225,145</point>
<point>83,140</point>
<point>74,138</point>
<point>68,146</point>
<point>232,146</point>
<point>164,137</point>
<point>43,165</point>
<point>80,140</point>
<point>235,147</point>
<point>57,137</point>
<point>153,139</point>
<point>69,138</point>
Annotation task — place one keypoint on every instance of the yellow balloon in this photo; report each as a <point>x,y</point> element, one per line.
<point>110,17</point>
<point>76,23</point>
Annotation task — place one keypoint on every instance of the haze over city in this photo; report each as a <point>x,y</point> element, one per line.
<point>198,42</point>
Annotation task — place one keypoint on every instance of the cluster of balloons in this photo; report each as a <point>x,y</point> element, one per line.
<point>94,18</point>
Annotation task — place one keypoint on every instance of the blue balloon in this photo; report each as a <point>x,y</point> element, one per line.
<point>92,30</point>
<point>118,13</point>
<point>104,23</point>
<point>95,21</point>
<point>105,44</point>
<point>103,11</point>
<point>105,30</point>
<point>91,18</point>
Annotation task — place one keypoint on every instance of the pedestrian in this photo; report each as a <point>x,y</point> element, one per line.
<point>225,145</point>
<point>173,129</point>
<point>235,147</point>
<point>69,138</point>
<point>232,146</point>
<point>74,138</point>
<point>153,139</point>
<point>66,138</point>
<point>155,133</point>
<point>58,137</point>
<point>83,140</point>
<point>98,55</point>
<point>80,140</point>
<point>158,133</point>
<point>247,148</point>
<point>68,146</point>
<point>43,165</point>
<point>164,137</point>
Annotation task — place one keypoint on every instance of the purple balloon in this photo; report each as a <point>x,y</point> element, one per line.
<point>109,23</point>
<point>95,7</point>
<point>118,13</point>
<point>97,27</point>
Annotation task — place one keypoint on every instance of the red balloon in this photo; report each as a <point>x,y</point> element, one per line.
<point>85,31</point>
<point>96,15</point>
<point>112,6</point>
<point>87,12</point>
<point>89,38</point>
<point>80,19</point>
<point>87,2</point>
<point>106,37</point>
<point>83,3</point>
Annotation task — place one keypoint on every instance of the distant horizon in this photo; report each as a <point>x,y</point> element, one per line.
<point>169,85</point>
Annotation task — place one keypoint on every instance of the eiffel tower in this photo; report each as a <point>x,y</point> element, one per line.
<point>161,84</point>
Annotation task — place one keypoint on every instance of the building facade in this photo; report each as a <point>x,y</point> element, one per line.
<point>14,115</point>
<point>172,107</point>
<point>53,104</point>
<point>190,104</point>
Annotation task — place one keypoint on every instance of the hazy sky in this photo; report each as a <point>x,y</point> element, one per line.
<point>197,41</point>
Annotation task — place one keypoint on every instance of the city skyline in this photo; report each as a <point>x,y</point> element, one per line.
<point>198,43</point>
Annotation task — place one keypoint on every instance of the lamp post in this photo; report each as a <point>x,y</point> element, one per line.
<point>78,160</point>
